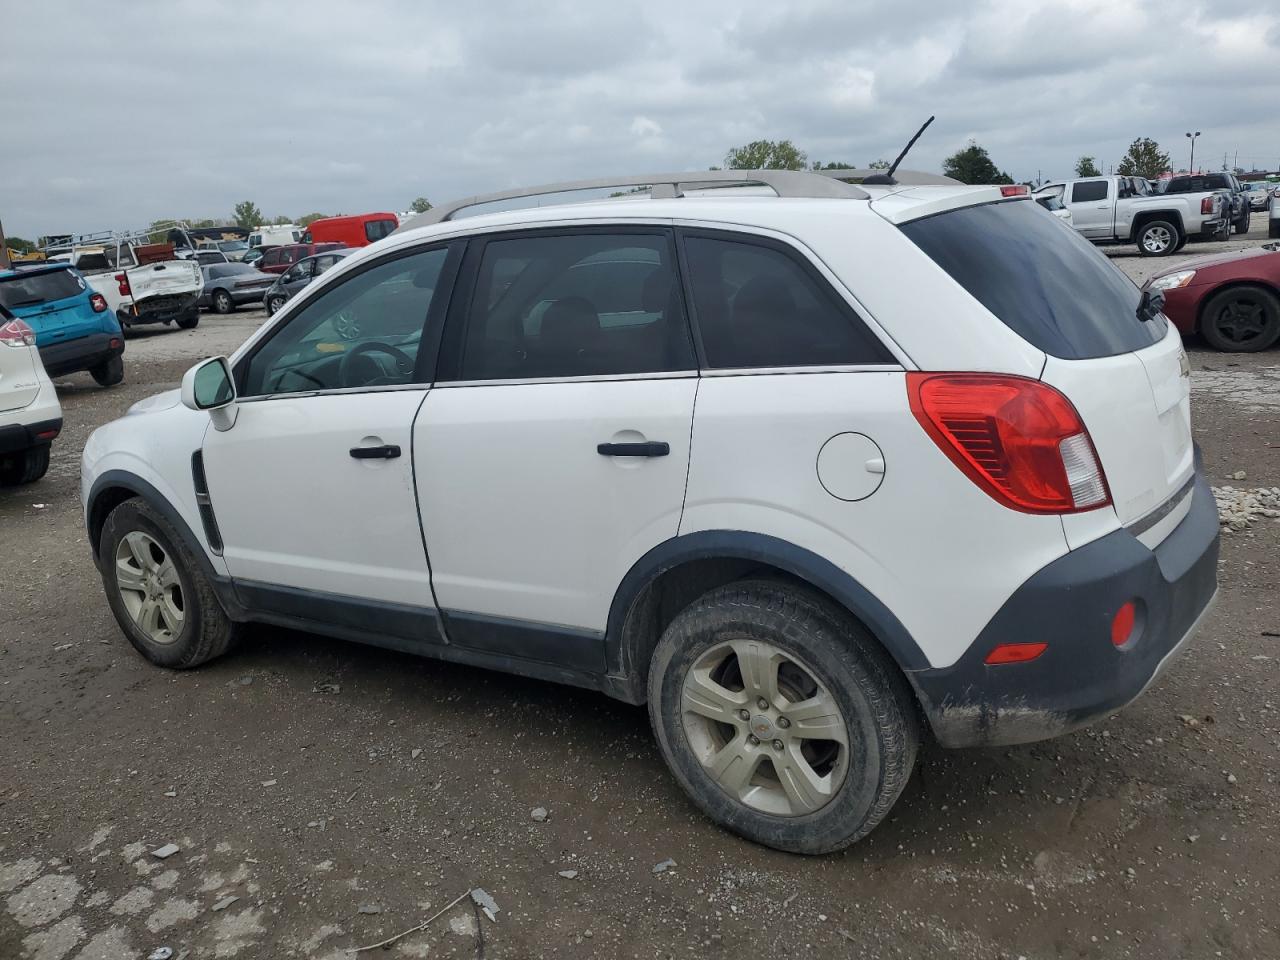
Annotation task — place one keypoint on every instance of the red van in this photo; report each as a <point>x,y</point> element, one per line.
<point>359,230</point>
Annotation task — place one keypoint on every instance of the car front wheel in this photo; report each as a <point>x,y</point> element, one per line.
<point>157,592</point>
<point>222,302</point>
<point>1242,319</point>
<point>274,304</point>
<point>781,717</point>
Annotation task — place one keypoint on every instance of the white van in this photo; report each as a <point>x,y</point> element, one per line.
<point>270,236</point>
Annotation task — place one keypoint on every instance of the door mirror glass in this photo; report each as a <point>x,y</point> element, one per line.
<point>208,385</point>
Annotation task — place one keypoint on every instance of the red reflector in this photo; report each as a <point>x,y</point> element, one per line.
<point>1014,190</point>
<point>1015,652</point>
<point>46,434</point>
<point>98,302</point>
<point>115,343</point>
<point>1020,440</point>
<point>1122,624</point>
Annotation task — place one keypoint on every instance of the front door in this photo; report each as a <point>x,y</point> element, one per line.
<point>1091,210</point>
<point>312,486</point>
<point>555,454</point>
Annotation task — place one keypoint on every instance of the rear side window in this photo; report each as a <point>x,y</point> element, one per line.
<point>758,306</point>
<point>584,305</point>
<point>377,229</point>
<point>30,289</point>
<point>1089,190</point>
<point>1048,285</point>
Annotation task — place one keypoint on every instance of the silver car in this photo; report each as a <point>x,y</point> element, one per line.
<point>299,275</point>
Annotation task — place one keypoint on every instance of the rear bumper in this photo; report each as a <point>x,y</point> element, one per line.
<point>1209,228</point>
<point>1069,604</point>
<point>162,309</point>
<point>82,353</point>
<point>17,436</point>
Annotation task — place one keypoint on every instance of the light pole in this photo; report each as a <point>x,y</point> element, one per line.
<point>1192,138</point>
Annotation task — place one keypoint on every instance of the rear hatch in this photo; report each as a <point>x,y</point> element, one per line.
<point>53,301</point>
<point>1127,377</point>
<point>165,279</point>
<point>18,382</point>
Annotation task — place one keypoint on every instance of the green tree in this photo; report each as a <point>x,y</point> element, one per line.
<point>973,164</point>
<point>837,165</point>
<point>311,218</point>
<point>1085,167</point>
<point>766,155</point>
<point>1144,159</point>
<point>282,220</point>
<point>881,164</point>
<point>247,214</point>
<point>420,205</point>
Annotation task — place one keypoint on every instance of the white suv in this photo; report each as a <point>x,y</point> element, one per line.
<point>806,473</point>
<point>30,415</point>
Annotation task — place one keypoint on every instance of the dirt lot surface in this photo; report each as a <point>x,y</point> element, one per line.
<point>341,793</point>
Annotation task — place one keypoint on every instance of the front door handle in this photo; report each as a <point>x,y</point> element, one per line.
<point>388,451</point>
<point>651,448</point>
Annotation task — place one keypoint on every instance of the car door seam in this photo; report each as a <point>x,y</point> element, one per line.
<point>422,530</point>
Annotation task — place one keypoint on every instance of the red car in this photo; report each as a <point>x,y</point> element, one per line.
<point>1232,299</point>
<point>280,259</point>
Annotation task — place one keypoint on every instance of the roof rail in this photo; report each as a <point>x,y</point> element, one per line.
<point>785,183</point>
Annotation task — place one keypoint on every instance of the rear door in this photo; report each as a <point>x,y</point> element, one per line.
<point>1092,206</point>
<point>552,452</point>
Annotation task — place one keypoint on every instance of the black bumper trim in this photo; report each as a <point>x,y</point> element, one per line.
<point>1069,604</point>
<point>20,436</point>
<point>82,353</point>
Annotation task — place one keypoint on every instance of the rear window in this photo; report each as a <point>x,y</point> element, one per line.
<point>375,230</point>
<point>30,289</point>
<point>1043,281</point>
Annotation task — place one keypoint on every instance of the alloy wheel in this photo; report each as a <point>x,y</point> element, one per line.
<point>764,728</point>
<point>149,587</point>
<point>1157,240</point>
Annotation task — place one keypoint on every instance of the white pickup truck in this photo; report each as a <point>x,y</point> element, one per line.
<point>1126,210</point>
<point>142,282</point>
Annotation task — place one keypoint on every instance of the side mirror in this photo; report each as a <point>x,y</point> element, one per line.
<point>208,386</point>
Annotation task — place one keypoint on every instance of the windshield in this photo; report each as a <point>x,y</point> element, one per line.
<point>30,289</point>
<point>231,246</point>
<point>1047,284</point>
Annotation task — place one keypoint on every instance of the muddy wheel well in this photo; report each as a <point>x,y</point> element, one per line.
<point>106,501</point>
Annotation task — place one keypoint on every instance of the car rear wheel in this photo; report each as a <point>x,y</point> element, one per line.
<point>1241,319</point>
<point>781,717</point>
<point>1158,238</point>
<point>109,372</point>
<point>25,466</point>
<point>158,593</point>
<point>222,302</point>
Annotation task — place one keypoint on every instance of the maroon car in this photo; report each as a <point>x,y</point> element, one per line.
<point>1232,299</point>
<point>280,259</point>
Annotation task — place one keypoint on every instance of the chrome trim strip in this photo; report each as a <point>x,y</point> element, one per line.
<point>605,378</point>
<point>1145,523</point>
<point>834,368</point>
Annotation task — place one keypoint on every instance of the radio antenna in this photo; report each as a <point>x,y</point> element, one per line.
<point>887,176</point>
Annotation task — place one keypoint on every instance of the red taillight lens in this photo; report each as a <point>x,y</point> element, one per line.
<point>1015,190</point>
<point>1122,624</point>
<point>1206,205</point>
<point>1019,440</point>
<point>122,281</point>
<point>16,333</point>
<point>98,302</point>
<point>1015,652</point>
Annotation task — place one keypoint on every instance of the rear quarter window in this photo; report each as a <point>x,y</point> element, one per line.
<point>32,289</point>
<point>1038,277</point>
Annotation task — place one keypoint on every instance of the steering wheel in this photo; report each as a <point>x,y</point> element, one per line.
<point>346,369</point>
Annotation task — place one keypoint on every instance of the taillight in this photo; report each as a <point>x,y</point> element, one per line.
<point>122,281</point>
<point>98,302</point>
<point>1015,190</point>
<point>1020,440</point>
<point>1206,204</point>
<point>16,333</point>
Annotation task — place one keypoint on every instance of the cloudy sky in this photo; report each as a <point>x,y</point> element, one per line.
<point>118,113</point>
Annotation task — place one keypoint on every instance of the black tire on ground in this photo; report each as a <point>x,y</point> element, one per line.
<point>189,321</point>
<point>109,372</point>
<point>274,304</point>
<point>24,466</point>
<point>1242,225</point>
<point>222,302</point>
<point>1157,238</point>
<point>881,720</point>
<point>1273,230</point>
<point>1224,232</point>
<point>1242,319</point>
<point>206,631</point>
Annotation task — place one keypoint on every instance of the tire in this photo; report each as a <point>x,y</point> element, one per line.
<point>189,322</point>
<point>1242,225</point>
<point>1273,230</point>
<point>1183,239</point>
<point>201,629</point>
<point>1242,319</point>
<point>818,644</point>
<point>109,372</point>
<point>24,466</point>
<point>1157,238</point>
<point>274,304</point>
<point>222,302</point>
<point>1224,232</point>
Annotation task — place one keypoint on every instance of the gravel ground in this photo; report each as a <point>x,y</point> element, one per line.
<point>342,793</point>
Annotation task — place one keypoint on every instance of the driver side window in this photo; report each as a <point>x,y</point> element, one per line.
<point>364,331</point>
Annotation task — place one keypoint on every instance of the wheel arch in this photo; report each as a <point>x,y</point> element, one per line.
<point>673,574</point>
<point>1146,216</point>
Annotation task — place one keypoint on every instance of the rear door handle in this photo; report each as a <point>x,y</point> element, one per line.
<point>651,448</point>
<point>388,451</point>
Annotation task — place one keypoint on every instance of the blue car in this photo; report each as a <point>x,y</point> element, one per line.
<point>74,328</point>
